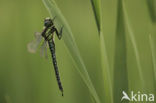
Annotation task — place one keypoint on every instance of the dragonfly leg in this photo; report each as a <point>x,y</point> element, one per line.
<point>59,34</point>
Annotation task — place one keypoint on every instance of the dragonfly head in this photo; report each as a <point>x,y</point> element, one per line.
<point>48,22</point>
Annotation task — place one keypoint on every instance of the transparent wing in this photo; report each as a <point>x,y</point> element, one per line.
<point>43,50</point>
<point>32,46</point>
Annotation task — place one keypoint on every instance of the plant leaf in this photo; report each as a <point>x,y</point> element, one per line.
<point>96,5</point>
<point>134,44</point>
<point>152,9</point>
<point>106,72</point>
<point>108,96</point>
<point>120,80</point>
<point>153,55</point>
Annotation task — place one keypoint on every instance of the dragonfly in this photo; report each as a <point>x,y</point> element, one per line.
<point>48,35</point>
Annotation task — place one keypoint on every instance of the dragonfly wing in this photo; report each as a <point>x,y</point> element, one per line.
<point>37,35</point>
<point>32,46</point>
<point>43,50</point>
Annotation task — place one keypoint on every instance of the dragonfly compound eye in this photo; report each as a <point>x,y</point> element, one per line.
<point>48,22</point>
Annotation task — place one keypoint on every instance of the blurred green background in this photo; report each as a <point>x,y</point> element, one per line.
<point>28,78</point>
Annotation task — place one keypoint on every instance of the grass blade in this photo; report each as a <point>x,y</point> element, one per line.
<point>152,9</point>
<point>153,55</point>
<point>108,96</point>
<point>134,44</point>
<point>120,61</point>
<point>96,5</point>
<point>71,45</point>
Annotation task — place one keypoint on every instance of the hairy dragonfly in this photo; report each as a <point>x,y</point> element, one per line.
<point>48,35</point>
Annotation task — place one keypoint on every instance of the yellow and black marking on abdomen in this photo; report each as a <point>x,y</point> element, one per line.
<point>52,50</point>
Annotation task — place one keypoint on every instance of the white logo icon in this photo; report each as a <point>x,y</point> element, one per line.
<point>125,96</point>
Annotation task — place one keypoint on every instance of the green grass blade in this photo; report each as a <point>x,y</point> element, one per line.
<point>108,96</point>
<point>153,55</point>
<point>96,5</point>
<point>71,45</point>
<point>152,9</point>
<point>120,80</point>
<point>134,44</point>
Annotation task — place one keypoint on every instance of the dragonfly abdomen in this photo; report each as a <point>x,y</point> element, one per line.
<point>52,50</point>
